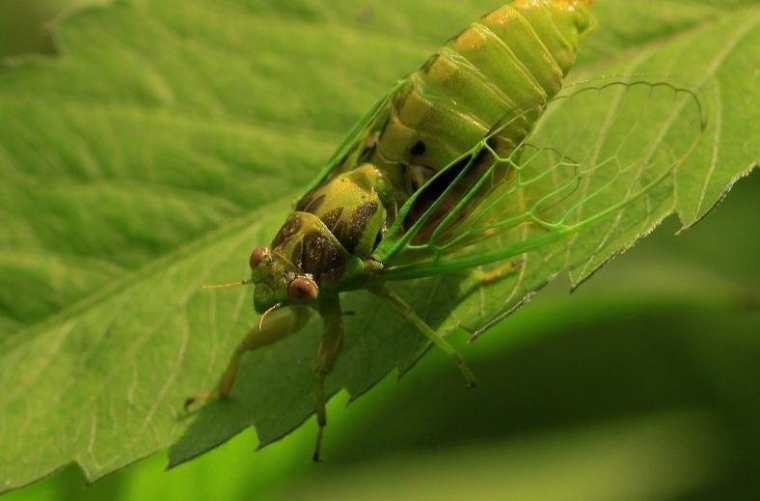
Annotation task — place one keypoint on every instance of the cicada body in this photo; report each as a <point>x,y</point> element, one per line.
<point>411,173</point>
<point>491,81</point>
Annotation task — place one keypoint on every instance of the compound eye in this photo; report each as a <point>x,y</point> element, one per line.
<point>303,290</point>
<point>258,255</point>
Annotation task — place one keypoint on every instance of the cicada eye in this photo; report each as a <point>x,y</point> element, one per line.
<point>258,255</point>
<point>303,290</point>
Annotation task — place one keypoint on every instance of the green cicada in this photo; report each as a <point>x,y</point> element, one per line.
<point>439,166</point>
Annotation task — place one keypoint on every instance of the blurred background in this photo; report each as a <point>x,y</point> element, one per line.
<point>639,386</point>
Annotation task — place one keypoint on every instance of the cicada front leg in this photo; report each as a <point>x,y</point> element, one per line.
<point>275,327</point>
<point>500,272</point>
<point>329,348</point>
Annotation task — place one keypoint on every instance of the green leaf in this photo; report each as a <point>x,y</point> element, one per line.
<point>169,137</point>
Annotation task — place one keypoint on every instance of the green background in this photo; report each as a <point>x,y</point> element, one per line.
<point>641,385</point>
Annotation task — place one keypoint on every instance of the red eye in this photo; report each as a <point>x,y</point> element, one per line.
<point>303,290</point>
<point>258,255</point>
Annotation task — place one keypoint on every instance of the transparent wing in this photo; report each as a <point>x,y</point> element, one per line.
<point>598,150</point>
<point>358,139</point>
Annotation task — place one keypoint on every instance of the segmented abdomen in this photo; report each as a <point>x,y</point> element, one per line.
<point>503,68</point>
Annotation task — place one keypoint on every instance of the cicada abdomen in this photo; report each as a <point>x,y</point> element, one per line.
<point>496,77</point>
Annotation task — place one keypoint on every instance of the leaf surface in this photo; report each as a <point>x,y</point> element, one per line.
<point>148,158</point>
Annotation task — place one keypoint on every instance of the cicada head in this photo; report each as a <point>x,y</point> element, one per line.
<point>278,282</point>
<point>302,257</point>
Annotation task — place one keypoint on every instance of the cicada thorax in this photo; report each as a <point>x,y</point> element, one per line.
<point>491,81</point>
<point>354,206</point>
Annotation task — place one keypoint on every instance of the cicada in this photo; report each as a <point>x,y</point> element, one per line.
<point>439,165</point>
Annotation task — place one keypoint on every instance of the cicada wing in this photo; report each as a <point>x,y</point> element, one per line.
<point>358,140</point>
<point>455,190</point>
<point>600,162</point>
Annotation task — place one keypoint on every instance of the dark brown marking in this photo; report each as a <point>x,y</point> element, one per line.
<point>359,220</point>
<point>310,204</point>
<point>290,228</point>
<point>322,258</point>
<point>296,256</point>
<point>331,218</point>
<point>304,202</point>
<point>340,230</point>
<point>342,234</point>
<point>419,148</point>
<point>429,63</point>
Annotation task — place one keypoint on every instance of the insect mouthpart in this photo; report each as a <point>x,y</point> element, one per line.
<point>263,297</point>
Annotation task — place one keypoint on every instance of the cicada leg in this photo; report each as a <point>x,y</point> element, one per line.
<point>277,326</point>
<point>329,348</point>
<point>499,272</point>
<point>411,316</point>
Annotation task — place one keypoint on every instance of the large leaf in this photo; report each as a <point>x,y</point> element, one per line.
<point>169,138</point>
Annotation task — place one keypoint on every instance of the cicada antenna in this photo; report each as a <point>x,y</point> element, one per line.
<point>267,313</point>
<point>228,286</point>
